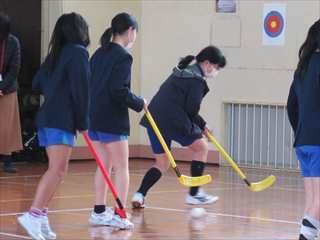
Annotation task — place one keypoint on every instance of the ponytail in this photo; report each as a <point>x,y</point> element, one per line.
<point>106,37</point>
<point>184,62</point>
<point>119,25</point>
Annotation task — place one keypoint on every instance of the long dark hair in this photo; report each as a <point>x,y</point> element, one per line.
<point>71,28</point>
<point>119,25</point>
<point>210,53</point>
<point>4,26</point>
<point>310,45</point>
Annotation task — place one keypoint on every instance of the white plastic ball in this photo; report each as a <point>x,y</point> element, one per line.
<point>197,212</point>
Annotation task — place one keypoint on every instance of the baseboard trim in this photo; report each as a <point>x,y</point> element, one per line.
<point>145,151</point>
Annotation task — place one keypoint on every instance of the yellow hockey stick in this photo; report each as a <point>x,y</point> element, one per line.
<point>183,179</point>
<point>254,187</point>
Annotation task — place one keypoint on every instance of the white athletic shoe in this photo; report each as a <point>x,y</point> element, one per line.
<point>121,223</point>
<point>138,200</point>
<point>32,225</point>
<point>46,230</point>
<point>201,198</point>
<point>101,219</point>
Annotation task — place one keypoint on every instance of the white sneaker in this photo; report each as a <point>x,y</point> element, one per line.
<point>101,219</point>
<point>122,223</point>
<point>201,198</point>
<point>138,200</point>
<point>32,225</point>
<point>46,230</point>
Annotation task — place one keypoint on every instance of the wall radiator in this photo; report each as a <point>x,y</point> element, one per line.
<point>259,135</point>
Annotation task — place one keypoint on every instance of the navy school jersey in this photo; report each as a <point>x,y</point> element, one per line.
<point>110,94</point>
<point>303,104</point>
<point>65,91</point>
<point>176,105</point>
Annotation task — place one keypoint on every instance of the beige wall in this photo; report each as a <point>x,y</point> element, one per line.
<point>257,73</point>
<point>51,10</point>
<point>98,14</point>
<point>254,73</point>
<point>172,29</point>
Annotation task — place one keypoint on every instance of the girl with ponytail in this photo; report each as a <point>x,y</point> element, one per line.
<point>175,108</point>
<point>110,101</point>
<point>304,113</point>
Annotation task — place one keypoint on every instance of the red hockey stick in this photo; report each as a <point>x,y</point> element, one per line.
<point>120,211</point>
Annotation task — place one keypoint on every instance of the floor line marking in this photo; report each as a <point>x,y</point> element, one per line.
<point>284,188</point>
<point>228,215</point>
<point>14,235</point>
<point>172,210</point>
<point>92,195</point>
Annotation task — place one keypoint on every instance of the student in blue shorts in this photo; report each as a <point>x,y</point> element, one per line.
<point>63,80</point>
<point>175,108</point>
<point>304,114</point>
<point>110,101</point>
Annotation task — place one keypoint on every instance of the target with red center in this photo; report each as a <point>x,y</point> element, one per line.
<point>273,24</point>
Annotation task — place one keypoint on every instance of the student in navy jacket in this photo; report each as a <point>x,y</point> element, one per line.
<point>110,100</point>
<point>304,114</point>
<point>63,80</point>
<point>175,108</point>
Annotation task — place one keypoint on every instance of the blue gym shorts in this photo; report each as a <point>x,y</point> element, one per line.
<point>106,137</point>
<point>54,136</point>
<point>309,158</point>
<point>156,145</point>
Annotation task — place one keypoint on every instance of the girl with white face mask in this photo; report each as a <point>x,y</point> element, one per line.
<point>110,100</point>
<point>175,108</point>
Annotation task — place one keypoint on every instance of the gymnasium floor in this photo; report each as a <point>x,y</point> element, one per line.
<point>239,214</point>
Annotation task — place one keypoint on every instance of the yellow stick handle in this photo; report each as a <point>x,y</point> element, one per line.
<point>225,154</point>
<point>160,138</point>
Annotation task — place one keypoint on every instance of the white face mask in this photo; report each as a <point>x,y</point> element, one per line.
<point>129,46</point>
<point>214,73</point>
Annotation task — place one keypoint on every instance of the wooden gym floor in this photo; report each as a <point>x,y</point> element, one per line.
<point>239,214</point>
